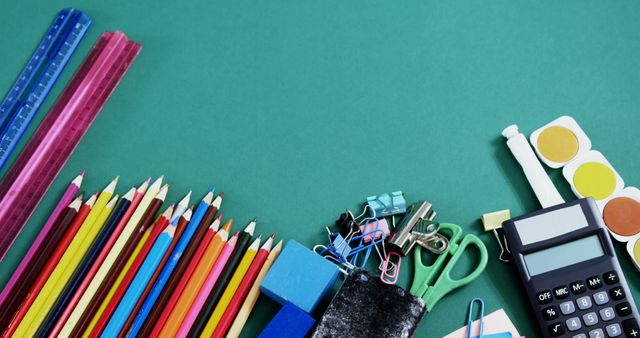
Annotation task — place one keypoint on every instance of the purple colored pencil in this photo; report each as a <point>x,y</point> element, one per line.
<point>16,283</point>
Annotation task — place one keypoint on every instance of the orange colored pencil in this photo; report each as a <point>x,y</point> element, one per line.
<point>157,229</point>
<point>171,317</point>
<point>238,297</point>
<point>50,266</point>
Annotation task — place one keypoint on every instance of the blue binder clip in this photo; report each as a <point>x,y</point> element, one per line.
<point>387,204</point>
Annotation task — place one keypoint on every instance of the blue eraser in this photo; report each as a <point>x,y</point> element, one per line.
<point>289,322</point>
<point>299,276</point>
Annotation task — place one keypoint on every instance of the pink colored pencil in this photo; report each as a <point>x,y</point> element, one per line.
<point>19,285</point>
<point>208,285</point>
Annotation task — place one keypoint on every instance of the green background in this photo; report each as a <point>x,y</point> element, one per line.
<point>300,109</point>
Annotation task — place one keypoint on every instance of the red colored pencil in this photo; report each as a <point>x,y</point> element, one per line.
<point>182,225</point>
<point>33,261</point>
<point>158,228</point>
<point>127,198</point>
<point>238,297</point>
<point>166,312</point>
<point>50,266</point>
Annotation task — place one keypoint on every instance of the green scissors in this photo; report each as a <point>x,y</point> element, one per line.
<point>426,282</point>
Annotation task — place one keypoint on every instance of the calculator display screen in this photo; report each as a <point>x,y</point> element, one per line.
<point>563,255</point>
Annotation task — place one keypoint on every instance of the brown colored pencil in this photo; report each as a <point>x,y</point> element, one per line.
<point>182,225</point>
<point>173,281</point>
<point>120,262</point>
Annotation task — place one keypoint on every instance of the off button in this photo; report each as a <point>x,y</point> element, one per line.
<point>544,297</point>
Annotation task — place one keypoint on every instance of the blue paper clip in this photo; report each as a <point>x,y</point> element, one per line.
<point>470,317</point>
<point>385,204</point>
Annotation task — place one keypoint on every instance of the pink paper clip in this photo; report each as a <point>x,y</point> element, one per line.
<point>389,275</point>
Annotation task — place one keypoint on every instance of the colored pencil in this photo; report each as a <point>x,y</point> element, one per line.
<point>60,227</point>
<point>183,222</point>
<point>231,288</point>
<point>90,265</point>
<point>139,246</point>
<point>241,291</point>
<point>184,262</point>
<point>52,262</point>
<point>137,197</point>
<point>33,261</point>
<point>110,268</point>
<point>207,286</point>
<point>68,263</point>
<point>254,293</point>
<point>213,298</point>
<point>127,276</point>
<point>167,270</point>
<point>181,207</point>
<point>66,299</point>
<point>141,279</point>
<point>186,276</point>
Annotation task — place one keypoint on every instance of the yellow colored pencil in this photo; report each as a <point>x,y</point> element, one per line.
<point>103,306</point>
<point>66,266</point>
<point>108,262</point>
<point>237,277</point>
<point>252,296</point>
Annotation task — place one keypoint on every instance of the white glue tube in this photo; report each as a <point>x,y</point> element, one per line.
<point>540,182</point>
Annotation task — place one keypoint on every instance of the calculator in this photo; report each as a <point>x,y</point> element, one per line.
<point>570,272</point>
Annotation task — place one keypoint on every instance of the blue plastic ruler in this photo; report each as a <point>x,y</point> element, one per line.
<point>38,77</point>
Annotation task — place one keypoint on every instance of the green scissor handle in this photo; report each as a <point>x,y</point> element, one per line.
<point>424,275</point>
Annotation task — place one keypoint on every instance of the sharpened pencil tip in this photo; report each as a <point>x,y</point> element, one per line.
<point>112,186</point>
<point>213,189</point>
<point>208,198</point>
<point>215,225</point>
<point>250,227</point>
<point>84,171</point>
<point>78,180</point>
<point>227,225</point>
<point>217,202</point>
<point>187,214</point>
<point>129,195</point>
<point>272,236</point>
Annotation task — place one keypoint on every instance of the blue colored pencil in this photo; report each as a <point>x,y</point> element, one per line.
<point>168,268</point>
<point>120,315</point>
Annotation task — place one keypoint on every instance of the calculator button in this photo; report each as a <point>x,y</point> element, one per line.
<point>594,282</point>
<point>607,314</point>
<point>573,324</point>
<point>630,328</point>
<point>623,309</point>
<point>567,308</point>
<point>577,287</point>
<point>610,277</point>
<point>544,297</point>
<point>614,330</point>
<point>616,293</point>
<point>590,319</point>
<point>601,297</point>
<point>561,292</point>
<point>550,313</point>
<point>584,303</point>
<point>597,333</point>
<point>582,335</point>
<point>556,329</point>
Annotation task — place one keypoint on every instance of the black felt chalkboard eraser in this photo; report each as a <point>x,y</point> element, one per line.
<point>365,307</point>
